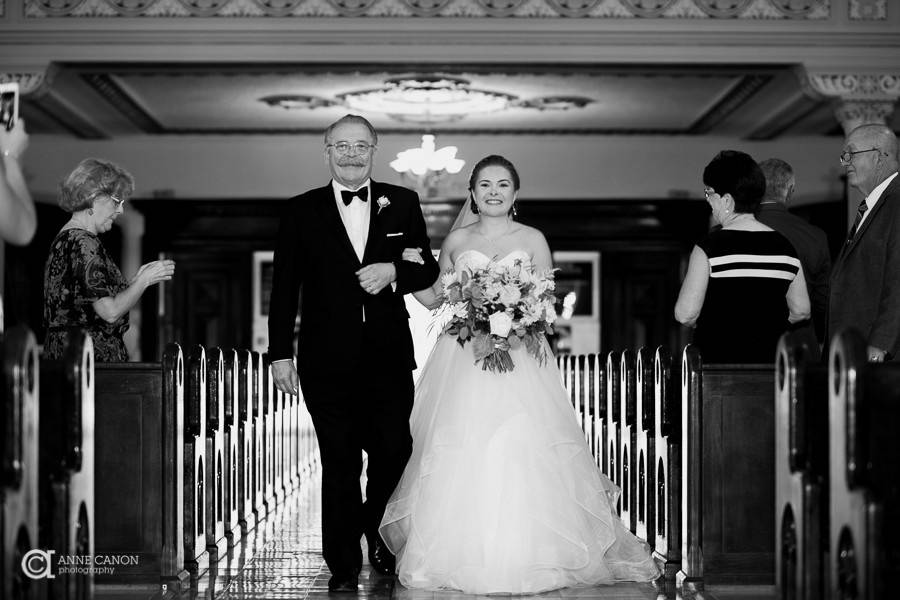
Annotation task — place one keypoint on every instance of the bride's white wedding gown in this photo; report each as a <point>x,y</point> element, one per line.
<point>501,494</point>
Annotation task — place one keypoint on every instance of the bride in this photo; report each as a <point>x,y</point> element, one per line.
<point>501,494</point>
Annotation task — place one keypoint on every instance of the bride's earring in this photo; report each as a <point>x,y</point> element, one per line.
<point>514,211</point>
<point>90,211</point>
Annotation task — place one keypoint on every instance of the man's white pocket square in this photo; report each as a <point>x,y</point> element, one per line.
<point>394,234</point>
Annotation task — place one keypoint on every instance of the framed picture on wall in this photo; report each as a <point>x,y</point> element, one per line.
<point>578,291</point>
<point>262,290</point>
<point>578,284</point>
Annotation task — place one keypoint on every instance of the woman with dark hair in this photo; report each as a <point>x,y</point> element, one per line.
<point>744,284</point>
<point>83,287</point>
<point>501,493</point>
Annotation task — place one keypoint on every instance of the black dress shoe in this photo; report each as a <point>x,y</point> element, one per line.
<point>343,584</point>
<point>380,557</point>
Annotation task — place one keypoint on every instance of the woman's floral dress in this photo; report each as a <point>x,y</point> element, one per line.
<point>78,272</point>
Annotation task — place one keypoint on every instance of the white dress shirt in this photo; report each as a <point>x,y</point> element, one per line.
<point>872,199</point>
<point>355,216</point>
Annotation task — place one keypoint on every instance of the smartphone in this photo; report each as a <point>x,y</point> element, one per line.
<point>9,104</point>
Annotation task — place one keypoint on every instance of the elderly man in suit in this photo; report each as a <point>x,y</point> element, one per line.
<point>808,240</point>
<point>865,282</point>
<point>342,244</point>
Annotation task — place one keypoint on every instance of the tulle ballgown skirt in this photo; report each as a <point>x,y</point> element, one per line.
<point>501,494</point>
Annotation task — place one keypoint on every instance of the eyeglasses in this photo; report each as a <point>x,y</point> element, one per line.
<point>115,200</point>
<point>344,147</point>
<point>847,155</point>
<point>707,192</point>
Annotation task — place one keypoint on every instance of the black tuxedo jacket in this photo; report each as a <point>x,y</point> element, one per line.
<point>314,253</point>
<point>865,282</point>
<point>811,245</point>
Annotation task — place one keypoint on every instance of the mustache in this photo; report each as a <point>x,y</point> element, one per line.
<point>352,162</point>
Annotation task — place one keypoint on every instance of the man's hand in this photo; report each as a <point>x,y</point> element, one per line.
<point>876,354</point>
<point>413,255</point>
<point>375,277</point>
<point>285,377</point>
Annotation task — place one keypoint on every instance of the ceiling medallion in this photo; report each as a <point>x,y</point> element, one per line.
<point>297,101</point>
<point>556,102</point>
<point>426,99</point>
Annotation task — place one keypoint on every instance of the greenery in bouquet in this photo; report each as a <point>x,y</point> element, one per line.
<point>500,308</point>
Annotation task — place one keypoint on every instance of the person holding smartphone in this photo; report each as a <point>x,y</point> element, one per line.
<point>18,218</point>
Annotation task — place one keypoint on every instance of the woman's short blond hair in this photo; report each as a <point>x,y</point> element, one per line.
<point>94,176</point>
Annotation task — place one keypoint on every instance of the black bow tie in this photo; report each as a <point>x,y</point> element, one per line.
<point>347,196</point>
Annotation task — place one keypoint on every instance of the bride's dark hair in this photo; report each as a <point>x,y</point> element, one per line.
<point>493,160</point>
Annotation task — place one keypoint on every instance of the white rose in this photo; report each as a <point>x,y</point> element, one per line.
<point>501,323</point>
<point>509,295</point>
<point>461,310</point>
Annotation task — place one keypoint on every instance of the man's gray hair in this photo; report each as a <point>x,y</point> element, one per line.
<point>355,119</point>
<point>779,180</point>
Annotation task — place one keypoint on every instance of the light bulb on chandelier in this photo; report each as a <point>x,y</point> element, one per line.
<point>426,165</point>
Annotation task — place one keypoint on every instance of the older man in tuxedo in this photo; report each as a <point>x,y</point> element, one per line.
<point>865,282</point>
<point>341,244</point>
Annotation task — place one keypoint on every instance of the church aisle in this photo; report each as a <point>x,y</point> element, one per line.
<point>283,561</point>
<point>288,564</point>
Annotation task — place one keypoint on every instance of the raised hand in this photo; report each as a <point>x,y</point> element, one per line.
<point>155,272</point>
<point>375,277</point>
<point>413,255</point>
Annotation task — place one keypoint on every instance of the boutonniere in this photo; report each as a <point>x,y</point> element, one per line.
<point>383,202</point>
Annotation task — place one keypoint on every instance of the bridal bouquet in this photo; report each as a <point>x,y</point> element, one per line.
<point>499,308</point>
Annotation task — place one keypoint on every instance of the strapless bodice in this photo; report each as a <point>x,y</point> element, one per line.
<point>476,259</point>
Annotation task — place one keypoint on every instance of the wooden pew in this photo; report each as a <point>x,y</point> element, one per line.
<point>611,457</point>
<point>627,439</point>
<point>598,400</point>
<point>259,438</point>
<point>585,406</point>
<point>667,472</point>
<point>864,418</point>
<point>590,419</point>
<point>66,464</point>
<point>140,446</point>
<point>233,442</point>
<point>196,557</point>
<point>801,476</point>
<point>247,451</point>
<point>268,429</point>
<point>19,460</point>
<point>216,475</point>
<point>728,466</point>
<point>644,448</point>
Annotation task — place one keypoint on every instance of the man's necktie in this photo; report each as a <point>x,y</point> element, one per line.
<point>361,193</point>
<point>860,211</point>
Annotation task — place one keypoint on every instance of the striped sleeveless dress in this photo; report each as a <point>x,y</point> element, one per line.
<point>745,310</point>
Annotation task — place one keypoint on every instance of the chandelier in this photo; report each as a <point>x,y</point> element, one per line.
<point>425,166</point>
<point>426,99</point>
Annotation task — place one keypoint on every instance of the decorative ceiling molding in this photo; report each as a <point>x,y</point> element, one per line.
<point>107,87</point>
<point>868,10</point>
<point>29,83</point>
<point>853,113</point>
<point>742,91</point>
<point>853,86</point>
<point>814,10</point>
